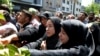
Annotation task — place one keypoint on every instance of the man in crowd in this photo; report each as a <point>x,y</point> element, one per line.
<point>82,17</point>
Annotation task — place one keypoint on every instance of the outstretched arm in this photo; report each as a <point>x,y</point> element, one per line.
<point>77,51</point>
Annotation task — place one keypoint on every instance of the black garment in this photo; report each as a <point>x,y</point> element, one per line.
<point>41,30</point>
<point>22,30</point>
<point>77,44</point>
<point>36,44</point>
<point>13,21</point>
<point>28,35</point>
<point>50,41</point>
<point>95,28</point>
<point>25,26</point>
<point>75,51</point>
<point>78,34</point>
<point>31,34</point>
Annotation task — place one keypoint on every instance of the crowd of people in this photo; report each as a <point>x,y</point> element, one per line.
<point>44,34</point>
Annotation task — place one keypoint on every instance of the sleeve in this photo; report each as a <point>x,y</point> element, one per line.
<point>28,34</point>
<point>9,25</point>
<point>35,45</point>
<point>32,45</point>
<point>79,51</point>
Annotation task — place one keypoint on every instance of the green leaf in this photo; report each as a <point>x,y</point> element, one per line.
<point>1,46</point>
<point>24,52</point>
<point>12,49</point>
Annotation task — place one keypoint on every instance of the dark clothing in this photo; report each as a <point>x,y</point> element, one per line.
<point>31,34</point>
<point>79,44</point>
<point>24,27</point>
<point>41,30</point>
<point>75,51</point>
<point>95,28</point>
<point>52,42</point>
<point>78,34</point>
<point>13,21</point>
<point>28,34</point>
<point>36,44</point>
<point>76,31</point>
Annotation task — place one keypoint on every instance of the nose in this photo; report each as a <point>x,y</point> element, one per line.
<point>60,35</point>
<point>47,28</point>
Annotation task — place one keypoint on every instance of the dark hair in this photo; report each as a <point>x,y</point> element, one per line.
<point>56,21</point>
<point>4,7</point>
<point>92,13</point>
<point>45,15</point>
<point>84,13</point>
<point>27,13</point>
<point>7,16</point>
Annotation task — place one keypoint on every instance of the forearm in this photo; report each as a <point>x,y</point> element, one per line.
<point>79,51</point>
<point>8,39</point>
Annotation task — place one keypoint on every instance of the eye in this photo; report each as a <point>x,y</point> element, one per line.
<point>50,25</point>
<point>63,33</point>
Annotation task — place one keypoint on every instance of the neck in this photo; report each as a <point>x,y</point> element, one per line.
<point>21,24</point>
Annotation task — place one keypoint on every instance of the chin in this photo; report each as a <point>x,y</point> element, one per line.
<point>48,35</point>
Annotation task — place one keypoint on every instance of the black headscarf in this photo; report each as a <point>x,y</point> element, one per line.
<point>53,40</point>
<point>76,31</point>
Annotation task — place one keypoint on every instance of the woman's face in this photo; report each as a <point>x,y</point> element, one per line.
<point>63,36</point>
<point>50,30</point>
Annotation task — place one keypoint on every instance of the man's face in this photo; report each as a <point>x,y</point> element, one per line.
<point>81,16</point>
<point>21,17</point>
<point>91,16</point>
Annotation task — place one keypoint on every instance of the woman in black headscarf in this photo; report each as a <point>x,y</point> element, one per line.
<point>52,32</point>
<point>76,31</point>
<point>75,38</point>
<point>50,38</point>
<point>78,34</point>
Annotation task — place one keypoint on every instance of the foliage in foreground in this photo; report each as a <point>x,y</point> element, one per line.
<point>11,50</point>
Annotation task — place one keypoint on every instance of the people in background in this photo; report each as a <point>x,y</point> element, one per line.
<point>59,14</point>
<point>91,17</point>
<point>71,16</point>
<point>35,18</point>
<point>97,19</point>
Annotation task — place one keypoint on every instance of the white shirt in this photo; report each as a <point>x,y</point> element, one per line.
<point>9,25</point>
<point>35,23</point>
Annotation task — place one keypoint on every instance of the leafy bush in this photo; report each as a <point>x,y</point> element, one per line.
<point>11,50</point>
